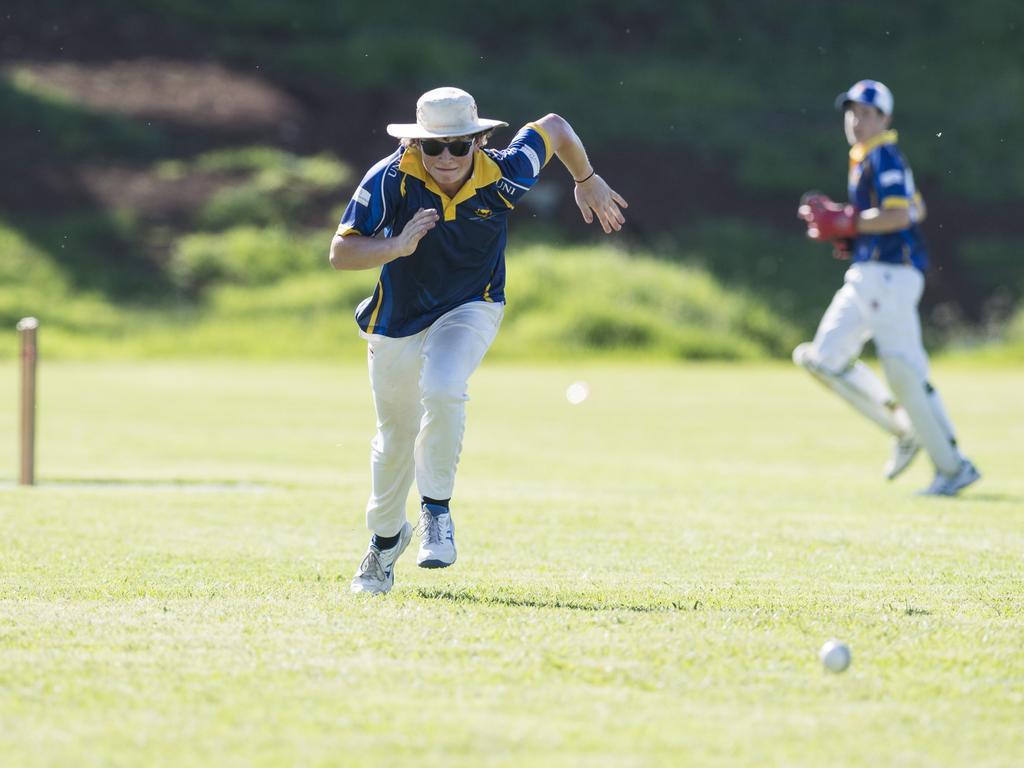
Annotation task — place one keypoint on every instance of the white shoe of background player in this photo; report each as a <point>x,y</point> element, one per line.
<point>950,485</point>
<point>904,449</point>
<point>376,574</point>
<point>437,545</point>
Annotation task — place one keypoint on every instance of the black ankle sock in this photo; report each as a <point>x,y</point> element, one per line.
<point>436,502</point>
<point>385,542</point>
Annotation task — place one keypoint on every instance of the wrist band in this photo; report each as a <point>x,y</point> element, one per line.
<point>585,177</point>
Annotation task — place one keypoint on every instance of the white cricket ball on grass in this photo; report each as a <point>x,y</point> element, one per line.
<point>577,392</point>
<point>835,656</point>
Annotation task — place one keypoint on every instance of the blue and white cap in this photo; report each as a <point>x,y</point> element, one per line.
<point>870,92</point>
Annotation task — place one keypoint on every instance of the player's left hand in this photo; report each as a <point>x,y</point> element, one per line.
<point>595,197</point>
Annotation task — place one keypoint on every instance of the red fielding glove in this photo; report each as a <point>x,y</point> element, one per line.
<point>827,221</point>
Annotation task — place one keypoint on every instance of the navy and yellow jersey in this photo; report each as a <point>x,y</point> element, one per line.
<point>462,259</point>
<point>881,178</point>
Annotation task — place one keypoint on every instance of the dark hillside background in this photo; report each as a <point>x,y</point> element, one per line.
<point>155,149</point>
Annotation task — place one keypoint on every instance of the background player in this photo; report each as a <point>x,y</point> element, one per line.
<point>434,216</point>
<point>878,231</point>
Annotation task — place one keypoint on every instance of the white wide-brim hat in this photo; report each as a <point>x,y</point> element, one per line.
<point>443,112</point>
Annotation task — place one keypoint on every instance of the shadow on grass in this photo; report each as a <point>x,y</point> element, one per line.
<point>994,498</point>
<point>580,603</point>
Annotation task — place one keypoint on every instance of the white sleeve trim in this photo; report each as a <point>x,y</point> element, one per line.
<point>533,158</point>
<point>891,177</point>
<point>520,186</point>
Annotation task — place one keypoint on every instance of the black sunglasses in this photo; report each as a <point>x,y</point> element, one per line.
<point>457,148</point>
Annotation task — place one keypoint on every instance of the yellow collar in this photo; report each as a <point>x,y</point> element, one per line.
<point>485,172</point>
<point>859,151</point>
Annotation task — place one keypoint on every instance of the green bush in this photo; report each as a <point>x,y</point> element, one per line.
<point>34,112</point>
<point>996,268</point>
<point>1015,332</point>
<point>24,263</point>
<point>580,300</point>
<point>245,255</point>
<point>270,187</point>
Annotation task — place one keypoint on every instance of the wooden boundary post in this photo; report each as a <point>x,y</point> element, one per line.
<point>29,355</point>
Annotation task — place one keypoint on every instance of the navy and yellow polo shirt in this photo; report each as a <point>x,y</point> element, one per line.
<point>462,259</point>
<point>881,178</point>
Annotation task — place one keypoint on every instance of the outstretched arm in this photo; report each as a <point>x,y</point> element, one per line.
<point>593,195</point>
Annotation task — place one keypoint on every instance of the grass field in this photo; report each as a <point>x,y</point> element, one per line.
<point>644,579</point>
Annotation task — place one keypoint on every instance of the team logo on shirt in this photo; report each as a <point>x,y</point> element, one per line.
<point>507,187</point>
<point>483,213</point>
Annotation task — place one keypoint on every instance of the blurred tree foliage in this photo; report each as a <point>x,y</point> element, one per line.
<point>747,80</point>
<point>729,99</point>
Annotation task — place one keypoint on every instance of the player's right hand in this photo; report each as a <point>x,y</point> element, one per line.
<point>424,220</point>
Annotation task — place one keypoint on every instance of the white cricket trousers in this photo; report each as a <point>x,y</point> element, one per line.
<point>419,391</point>
<point>877,301</point>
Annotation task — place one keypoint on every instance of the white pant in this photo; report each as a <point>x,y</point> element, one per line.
<point>877,301</point>
<point>419,390</point>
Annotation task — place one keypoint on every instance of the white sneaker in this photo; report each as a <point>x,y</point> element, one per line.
<point>950,485</point>
<point>904,449</point>
<point>437,542</point>
<point>376,574</point>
